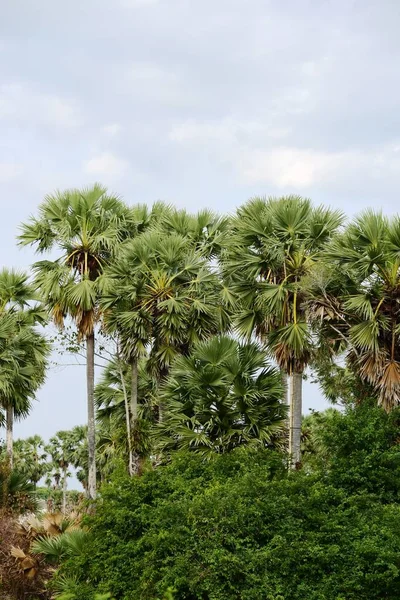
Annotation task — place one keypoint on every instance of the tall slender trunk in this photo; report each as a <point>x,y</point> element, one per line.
<point>10,435</point>
<point>296,388</point>
<point>91,419</point>
<point>285,383</point>
<point>134,411</point>
<point>64,493</point>
<point>286,402</point>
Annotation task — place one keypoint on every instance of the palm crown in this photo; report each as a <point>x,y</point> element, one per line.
<point>86,227</point>
<point>367,254</point>
<point>274,245</point>
<point>23,350</point>
<point>221,396</point>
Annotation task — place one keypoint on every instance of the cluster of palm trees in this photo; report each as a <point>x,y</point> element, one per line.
<point>199,307</point>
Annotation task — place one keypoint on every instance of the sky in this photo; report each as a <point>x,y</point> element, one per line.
<point>199,103</point>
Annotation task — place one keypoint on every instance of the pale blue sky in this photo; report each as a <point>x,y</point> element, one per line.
<point>201,103</point>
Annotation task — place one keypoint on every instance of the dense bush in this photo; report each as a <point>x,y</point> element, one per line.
<point>359,449</point>
<point>237,526</point>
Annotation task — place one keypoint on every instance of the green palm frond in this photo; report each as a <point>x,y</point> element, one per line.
<point>275,244</point>
<point>222,396</point>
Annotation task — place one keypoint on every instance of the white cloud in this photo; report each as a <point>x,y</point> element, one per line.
<point>106,165</point>
<point>292,167</point>
<point>24,104</point>
<point>112,129</point>
<point>256,154</point>
<point>153,85</point>
<point>225,131</point>
<point>301,168</point>
<point>150,72</point>
<point>9,171</point>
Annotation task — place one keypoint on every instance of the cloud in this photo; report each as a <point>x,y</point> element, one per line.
<point>225,131</point>
<point>25,105</point>
<point>137,3</point>
<point>113,129</point>
<point>292,167</point>
<point>152,84</point>
<point>257,155</point>
<point>9,171</point>
<point>106,165</point>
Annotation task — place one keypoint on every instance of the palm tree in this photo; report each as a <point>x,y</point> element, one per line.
<point>23,361</point>
<point>223,395</point>
<point>78,454</point>
<point>273,246</point>
<point>367,256</point>
<point>161,296</point>
<point>60,449</point>
<point>86,226</point>
<point>28,350</point>
<point>23,364</point>
<point>30,458</point>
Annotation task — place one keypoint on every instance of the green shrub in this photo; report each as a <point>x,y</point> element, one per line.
<point>237,527</point>
<point>362,446</point>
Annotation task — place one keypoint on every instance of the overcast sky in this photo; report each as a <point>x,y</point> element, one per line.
<point>196,102</point>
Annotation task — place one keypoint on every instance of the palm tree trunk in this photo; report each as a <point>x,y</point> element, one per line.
<point>64,493</point>
<point>296,388</point>
<point>134,411</point>
<point>285,383</point>
<point>10,434</point>
<point>91,419</point>
<point>286,402</point>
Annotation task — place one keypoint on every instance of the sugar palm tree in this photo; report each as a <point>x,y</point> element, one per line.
<point>23,368</point>
<point>24,351</point>
<point>60,449</point>
<point>367,255</point>
<point>19,377</point>
<point>272,247</point>
<point>79,454</point>
<point>161,296</point>
<point>85,226</point>
<point>30,458</point>
<point>223,395</point>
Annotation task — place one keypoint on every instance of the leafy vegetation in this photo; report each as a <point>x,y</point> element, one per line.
<point>211,484</point>
<point>239,526</point>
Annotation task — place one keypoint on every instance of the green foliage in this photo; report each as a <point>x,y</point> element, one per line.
<point>360,449</point>
<point>163,295</point>
<point>113,385</point>
<point>275,243</point>
<point>237,526</point>
<point>58,547</point>
<point>367,255</point>
<point>225,394</point>
<point>16,491</point>
<point>30,458</point>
